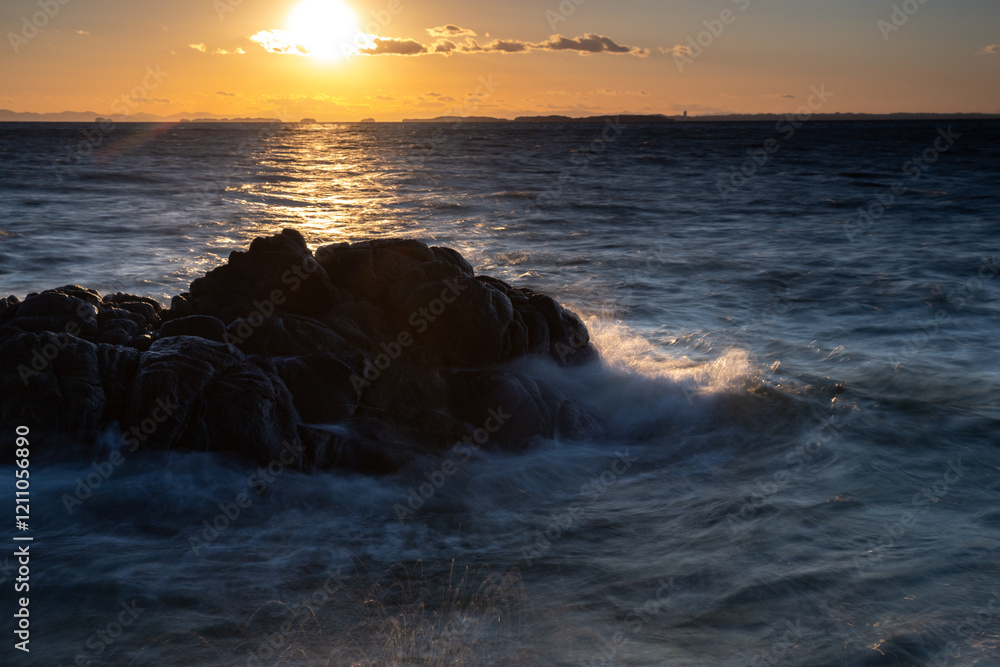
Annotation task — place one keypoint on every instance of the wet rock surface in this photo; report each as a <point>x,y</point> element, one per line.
<point>367,355</point>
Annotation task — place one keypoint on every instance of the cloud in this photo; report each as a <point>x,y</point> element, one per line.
<point>450,30</point>
<point>676,49</point>
<point>589,43</point>
<point>435,98</point>
<point>990,50</point>
<point>81,32</point>
<point>390,46</point>
<point>610,92</point>
<point>496,46</point>
<point>444,46</point>
<point>783,97</point>
<point>385,98</point>
<point>282,42</point>
<point>201,48</point>
<point>279,41</point>
<point>222,92</point>
<point>507,46</point>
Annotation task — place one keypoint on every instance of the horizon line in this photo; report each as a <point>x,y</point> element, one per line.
<point>207,117</point>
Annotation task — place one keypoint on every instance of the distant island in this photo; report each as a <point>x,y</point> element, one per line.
<point>623,118</point>
<point>308,121</point>
<point>718,118</point>
<point>773,117</point>
<point>232,120</point>
<point>367,120</point>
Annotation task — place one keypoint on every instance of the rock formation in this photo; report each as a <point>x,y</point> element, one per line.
<point>364,356</point>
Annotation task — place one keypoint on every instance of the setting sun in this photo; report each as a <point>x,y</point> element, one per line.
<point>327,29</point>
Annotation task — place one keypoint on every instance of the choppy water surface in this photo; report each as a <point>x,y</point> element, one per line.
<point>801,465</point>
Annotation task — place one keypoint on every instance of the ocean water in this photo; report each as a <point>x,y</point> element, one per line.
<point>800,381</point>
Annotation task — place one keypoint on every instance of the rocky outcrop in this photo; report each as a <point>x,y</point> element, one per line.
<point>365,355</point>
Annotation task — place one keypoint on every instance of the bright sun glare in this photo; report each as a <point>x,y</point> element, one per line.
<point>327,28</point>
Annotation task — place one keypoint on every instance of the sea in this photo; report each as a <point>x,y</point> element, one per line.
<point>799,383</point>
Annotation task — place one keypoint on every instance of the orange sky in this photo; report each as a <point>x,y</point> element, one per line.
<point>416,58</point>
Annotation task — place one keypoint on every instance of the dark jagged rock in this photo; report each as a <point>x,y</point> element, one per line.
<point>336,400</point>
<point>277,272</point>
<point>8,307</point>
<point>203,326</point>
<point>139,305</point>
<point>51,380</point>
<point>542,410</point>
<point>58,310</point>
<point>366,356</point>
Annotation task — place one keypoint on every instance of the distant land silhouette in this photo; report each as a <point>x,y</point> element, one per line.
<point>233,120</point>
<point>660,118</point>
<point>621,118</point>
<point>7,115</point>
